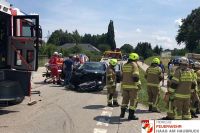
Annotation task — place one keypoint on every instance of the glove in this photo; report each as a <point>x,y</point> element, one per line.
<point>193,86</point>
<point>170,77</point>
<point>135,79</point>
<point>160,78</point>
<point>174,85</point>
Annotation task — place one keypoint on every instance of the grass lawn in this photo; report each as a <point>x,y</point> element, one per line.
<point>143,96</point>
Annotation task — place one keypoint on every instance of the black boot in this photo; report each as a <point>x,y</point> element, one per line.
<point>197,111</point>
<point>109,105</point>
<point>150,107</point>
<point>193,114</point>
<point>123,110</point>
<point>131,115</point>
<point>115,104</point>
<point>166,118</point>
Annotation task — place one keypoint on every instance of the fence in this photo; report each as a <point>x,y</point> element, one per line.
<point>42,59</point>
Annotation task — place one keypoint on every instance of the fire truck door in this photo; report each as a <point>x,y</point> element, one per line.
<point>23,46</point>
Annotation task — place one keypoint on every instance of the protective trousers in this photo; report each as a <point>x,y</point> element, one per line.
<point>111,94</point>
<point>170,113</point>
<point>194,102</point>
<point>130,95</point>
<point>182,109</point>
<point>153,94</point>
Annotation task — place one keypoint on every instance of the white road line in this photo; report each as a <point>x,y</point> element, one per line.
<point>104,120</point>
<point>106,113</point>
<point>108,108</point>
<point>98,130</point>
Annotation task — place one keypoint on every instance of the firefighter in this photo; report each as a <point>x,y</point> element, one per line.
<point>194,93</point>
<point>197,69</point>
<point>130,86</point>
<point>153,76</point>
<point>181,84</point>
<point>111,84</point>
<point>169,94</point>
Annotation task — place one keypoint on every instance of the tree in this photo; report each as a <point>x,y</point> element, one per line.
<point>126,48</point>
<point>55,37</point>
<point>144,49</point>
<point>189,31</point>
<point>103,47</point>
<point>76,37</point>
<point>157,50</point>
<point>111,36</point>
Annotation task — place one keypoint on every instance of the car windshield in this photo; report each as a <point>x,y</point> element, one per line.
<point>92,66</point>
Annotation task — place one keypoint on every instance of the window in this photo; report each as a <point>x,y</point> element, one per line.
<point>30,56</point>
<point>18,55</point>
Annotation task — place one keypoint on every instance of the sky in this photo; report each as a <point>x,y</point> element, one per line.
<point>153,21</point>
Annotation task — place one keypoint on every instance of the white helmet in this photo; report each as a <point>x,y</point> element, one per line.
<point>197,64</point>
<point>55,53</point>
<point>60,54</point>
<point>183,60</point>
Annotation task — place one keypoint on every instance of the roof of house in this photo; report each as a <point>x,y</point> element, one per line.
<point>86,46</point>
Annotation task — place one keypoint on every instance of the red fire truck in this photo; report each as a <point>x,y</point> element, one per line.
<point>20,36</point>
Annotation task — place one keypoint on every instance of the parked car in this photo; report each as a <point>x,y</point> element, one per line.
<point>89,77</point>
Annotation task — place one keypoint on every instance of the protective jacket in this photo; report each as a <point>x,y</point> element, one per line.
<point>130,72</point>
<point>110,76</point>
<point>153,76</point>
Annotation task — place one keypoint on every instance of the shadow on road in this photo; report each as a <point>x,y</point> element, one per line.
<point>40,82</point>
<point>3,112</point>
<point>107,120</point>
<point>140,111</point>
<point>94,107</point>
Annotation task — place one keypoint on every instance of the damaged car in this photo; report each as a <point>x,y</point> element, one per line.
<point>89,77</point>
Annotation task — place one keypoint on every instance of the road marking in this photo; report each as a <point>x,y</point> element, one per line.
<point>106,113</point>
<point>98,130</point>
<point>108,108</point>
<point>104,120</point>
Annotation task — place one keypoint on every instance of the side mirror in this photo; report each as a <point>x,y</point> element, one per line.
<point>40,33</point>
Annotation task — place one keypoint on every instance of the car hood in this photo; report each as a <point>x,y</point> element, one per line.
<point>90,71</point>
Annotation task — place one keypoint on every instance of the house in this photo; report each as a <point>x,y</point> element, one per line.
<point>87,47</point>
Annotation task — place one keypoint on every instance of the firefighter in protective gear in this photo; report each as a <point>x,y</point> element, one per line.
<point>169,95</point>
<point>153,77</point>
<point>197,65</point>
<point>194,94</point>
<point>181,84</point>
<point>130,86</point>
<point>111,84</point>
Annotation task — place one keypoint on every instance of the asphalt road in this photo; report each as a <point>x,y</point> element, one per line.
<point>59,110</point>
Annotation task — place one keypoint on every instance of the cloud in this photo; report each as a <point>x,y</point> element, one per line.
<point>162,39</point>
<point>178,22</point>
<point>138,30</point>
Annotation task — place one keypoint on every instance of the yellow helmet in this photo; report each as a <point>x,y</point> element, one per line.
<point>133,56</point>
<point>113,62</point>
<point>156,61</point>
